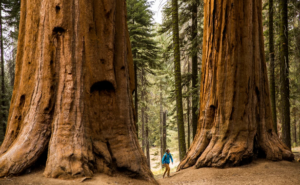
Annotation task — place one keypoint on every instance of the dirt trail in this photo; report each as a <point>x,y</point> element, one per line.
<point>260,172</point>
<point>296,152</point>
<point>37,178</point>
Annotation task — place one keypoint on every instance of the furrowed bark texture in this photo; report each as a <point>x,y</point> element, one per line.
<point>235,121</point>
<point>188,120</point>
<point>147,139</point>
<point>295,125</point>
<point>2,103</point>
<point>195,94</point>
<point>161,122</point>
<point>284,73</point>
<point>272,65</point>
<point>177,71</point>
<point>73,92</point>
<point>188,112</point>
<point>136,100</point>
<point>164,133</point>
<point>143,94</point>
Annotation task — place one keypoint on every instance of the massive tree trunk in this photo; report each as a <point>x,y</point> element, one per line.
<point>284,73</point>
<point>235,123</point>
<point>177,71</point>
<point>73,92</point>
<point>272,65</point>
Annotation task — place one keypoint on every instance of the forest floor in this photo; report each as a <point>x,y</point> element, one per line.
<point>36,178</point>
<point>260,172</point>
<point>296,152</point>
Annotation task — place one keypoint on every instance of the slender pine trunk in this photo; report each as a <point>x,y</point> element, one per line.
<point>195,98</point>
<point>165,131</point>
<point>295,128</point>
<point>188,112</point>
<point>188,123</point>
<point>161,122</point>
<point>272,65</point>
<point>143,112</point>
<point>297,39</point>
<point>136,91</point>
<point>298,90</point>
<point>284,73</point>
<point>12,69</point>
<point>178,90</point>
<point>2,109</point>
<point>298,81</point>
<point>295,125</point>
<point>136,99</point>
<point>147,134</point>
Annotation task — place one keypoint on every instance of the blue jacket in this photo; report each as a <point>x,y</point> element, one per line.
<point>166,158</point>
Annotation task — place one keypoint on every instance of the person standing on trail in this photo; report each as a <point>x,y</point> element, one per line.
<point>166,161</point>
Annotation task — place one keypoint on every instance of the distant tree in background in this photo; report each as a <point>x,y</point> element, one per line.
<point>144,49</point>
<point>195,48</point>
<point>272,64</point>
<point>178,90</point>
<point>294,70</point>
<point>3,102</point>
<point>293,31</point>
<point>190,38</point>
<point>9,29</point>
<point>139,26</point>
<point>284,73</point>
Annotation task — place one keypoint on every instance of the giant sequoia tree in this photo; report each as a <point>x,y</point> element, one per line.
<point>73,92</point>
<point>235,123</point>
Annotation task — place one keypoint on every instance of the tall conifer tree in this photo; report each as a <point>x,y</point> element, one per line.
<point>177,70</point>
<point>272,65</point>
<point>284,73</point>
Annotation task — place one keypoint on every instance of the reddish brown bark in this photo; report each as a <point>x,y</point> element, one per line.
<point>73,92</point>
<point>235,123</point>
